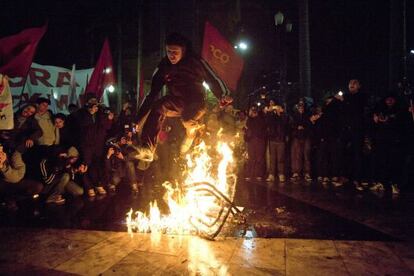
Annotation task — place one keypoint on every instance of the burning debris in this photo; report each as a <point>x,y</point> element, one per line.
<point>201,204</point>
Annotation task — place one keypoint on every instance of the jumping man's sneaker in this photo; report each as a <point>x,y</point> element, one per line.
<point>282,178</point>
<point>270,178</point>
<point>308,178</point>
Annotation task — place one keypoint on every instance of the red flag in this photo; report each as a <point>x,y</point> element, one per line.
<point>220,55</point>
<point>17,51</point>
<point>103,75</point>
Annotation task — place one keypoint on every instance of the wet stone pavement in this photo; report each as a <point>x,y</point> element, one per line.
<point>321,226</point>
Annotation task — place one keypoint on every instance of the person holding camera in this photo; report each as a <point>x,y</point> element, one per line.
<point>115,167</point>
<point>276,125</point>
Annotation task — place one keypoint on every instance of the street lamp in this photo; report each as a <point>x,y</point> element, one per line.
<point>111,88</point>
<point>242,46</point>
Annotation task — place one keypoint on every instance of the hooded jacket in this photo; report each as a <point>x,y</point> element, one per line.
<point>183,80</point>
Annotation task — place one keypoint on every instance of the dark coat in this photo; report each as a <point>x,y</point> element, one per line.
<point>184,80</point>
<point>277,126</point>
<point>255,128</point>
<point>303,120</point>
<point>92,129</point>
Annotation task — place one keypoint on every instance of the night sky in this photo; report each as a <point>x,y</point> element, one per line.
<point>349,39</point>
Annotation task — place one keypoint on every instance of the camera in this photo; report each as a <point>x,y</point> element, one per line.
<point>112,143</point>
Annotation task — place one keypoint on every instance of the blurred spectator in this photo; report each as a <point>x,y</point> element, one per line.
<point>66,138</point>
<point>353,131</point>
<point>93,123</point>
<point>326,140</point>
<point>72,108</point>
<point>255,137</point>
<point>300,128</point>
<point>57,175</point>
<point>50,135</point>
<point>12,183</point>
<point>26,129</point>
<point>388,151</point>
<point>276,123</point>
<point>115,167</point>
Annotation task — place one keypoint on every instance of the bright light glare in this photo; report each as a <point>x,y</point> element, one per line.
<point>206,86</point>
<point>111,88</point>
<point>55,95</point>
<point>108,70</point>
<point>340,93</point>
<point>243,45</point>
<point>412,52</point>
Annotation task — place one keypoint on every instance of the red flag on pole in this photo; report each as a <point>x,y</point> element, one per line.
<point>17,51</point>
<point>103,75</point>
<point>220,55</point>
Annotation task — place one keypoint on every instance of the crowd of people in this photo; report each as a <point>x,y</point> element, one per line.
<point>53,155</point>
<point>342,140</point>
<point>91,151</point>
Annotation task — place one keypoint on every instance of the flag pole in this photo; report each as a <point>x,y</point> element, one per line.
<point>22,92</point>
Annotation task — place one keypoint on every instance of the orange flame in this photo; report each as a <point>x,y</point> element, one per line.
<point>188,206</point>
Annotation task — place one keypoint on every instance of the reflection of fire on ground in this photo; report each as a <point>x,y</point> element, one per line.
<point>202,203</point>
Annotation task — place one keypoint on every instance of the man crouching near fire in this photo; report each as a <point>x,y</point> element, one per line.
<point>183,73</point>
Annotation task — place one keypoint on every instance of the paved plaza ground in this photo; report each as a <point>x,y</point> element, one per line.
<point>291,229</point>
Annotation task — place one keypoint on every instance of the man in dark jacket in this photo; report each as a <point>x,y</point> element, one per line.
<point>300,127</point>
<point>277,123</point>
<point>353,117</point>
<point>183,73</point>
<point>255,137</point>
<point>93,123</point>
<point>326,132</point>
<point>388,152</point>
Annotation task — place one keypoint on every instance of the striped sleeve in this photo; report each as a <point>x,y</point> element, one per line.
<point>48,177</point>
<point>218,87</point>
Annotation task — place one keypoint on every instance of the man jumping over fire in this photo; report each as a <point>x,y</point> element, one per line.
<point>183,73</point>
